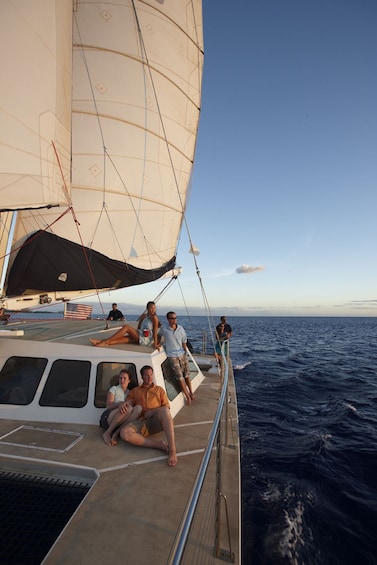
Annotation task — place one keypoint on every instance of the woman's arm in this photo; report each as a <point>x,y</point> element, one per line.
<point>110,404</point>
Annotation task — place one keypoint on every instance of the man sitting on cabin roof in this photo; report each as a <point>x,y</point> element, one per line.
<point>115,314</point>
<point>156,417</point>
<point>3,316</point>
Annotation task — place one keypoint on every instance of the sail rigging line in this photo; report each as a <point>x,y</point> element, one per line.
<point>131,201</point>
<point>107,155</point>
<point>210,320</point>
<point>144,52</point>
<point>77,223</point>
<point>164,290</point>
<point>37,234</point>
<point>7,227</point>
<point>66,191</point>
<point>147,242</point>
<point>184,300</point>
<point>209,316</point>
<point>80,46</point>
<point>83,56</point>
<point>45,229</point>
<point>77,227</point>
<point>138,224</point>
<point>45,207</point>
<point>148,67</point>
<point>196,28</point>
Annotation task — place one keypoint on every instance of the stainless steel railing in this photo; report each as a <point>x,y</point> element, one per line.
<point>215,436</point>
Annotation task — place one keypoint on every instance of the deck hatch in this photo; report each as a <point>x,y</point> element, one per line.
<point>35,510</point>
<point>42,438</point>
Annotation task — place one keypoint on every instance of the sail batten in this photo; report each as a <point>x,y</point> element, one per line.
<point>123,142</point>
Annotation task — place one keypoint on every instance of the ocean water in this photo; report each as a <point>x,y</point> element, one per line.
<point>307,399</point>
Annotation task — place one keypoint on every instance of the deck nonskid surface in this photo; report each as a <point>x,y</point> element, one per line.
<point>136,501</point>
<point>135,490</point>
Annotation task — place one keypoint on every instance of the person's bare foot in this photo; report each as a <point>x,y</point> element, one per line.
<point>98,342</point>
<point>193,397</point>
<point>172,455</point>
<point>172,459</point>
<point>108,439</point>
<point>115,437</point>
<point>188,401</point>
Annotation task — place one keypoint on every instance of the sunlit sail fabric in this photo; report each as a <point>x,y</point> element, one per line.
<point>135,110</point>
<point>35,102</point>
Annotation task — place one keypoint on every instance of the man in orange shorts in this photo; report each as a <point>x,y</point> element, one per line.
<point>155,418</point>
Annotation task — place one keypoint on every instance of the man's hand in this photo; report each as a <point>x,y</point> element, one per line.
<point>123,409</point>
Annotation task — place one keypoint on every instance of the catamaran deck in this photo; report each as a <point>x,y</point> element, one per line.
<point>135,502</point>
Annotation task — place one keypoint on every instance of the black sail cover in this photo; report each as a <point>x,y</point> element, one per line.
<point>44,257</point>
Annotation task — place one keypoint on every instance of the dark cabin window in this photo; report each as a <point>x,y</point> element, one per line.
<point>19,379</point>
<point>173,388</point>
<point>107,376</point>
<point>67,384</point>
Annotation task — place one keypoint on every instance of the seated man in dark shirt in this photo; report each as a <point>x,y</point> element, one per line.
<point>3,316</point>
<point>115,314</point>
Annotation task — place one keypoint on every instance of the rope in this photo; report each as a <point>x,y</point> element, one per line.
<point>87,261</point>
<point>77,224</point>
<point>36,235</point>
<point>211,323</point>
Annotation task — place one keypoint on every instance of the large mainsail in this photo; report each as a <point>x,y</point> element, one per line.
<point>121,163</point>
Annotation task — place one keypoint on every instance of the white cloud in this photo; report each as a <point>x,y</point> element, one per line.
<point>248,269</point>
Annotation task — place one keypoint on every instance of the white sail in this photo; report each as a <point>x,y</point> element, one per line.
<point>35,104</point>
<point>136,89</point>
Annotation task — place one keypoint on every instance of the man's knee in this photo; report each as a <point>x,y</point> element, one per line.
<point>126,433</point>
<point>164,413</point>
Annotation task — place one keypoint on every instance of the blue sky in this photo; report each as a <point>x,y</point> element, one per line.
<point>285,178</point>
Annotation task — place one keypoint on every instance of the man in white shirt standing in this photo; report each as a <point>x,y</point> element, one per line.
<point>176,352</point>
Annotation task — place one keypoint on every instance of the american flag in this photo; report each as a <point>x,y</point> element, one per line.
<point>77,311</point>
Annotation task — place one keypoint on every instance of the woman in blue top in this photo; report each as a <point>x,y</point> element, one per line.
<point>145,334</point>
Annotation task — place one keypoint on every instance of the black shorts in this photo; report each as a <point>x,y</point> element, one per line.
<point>104,419</point>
